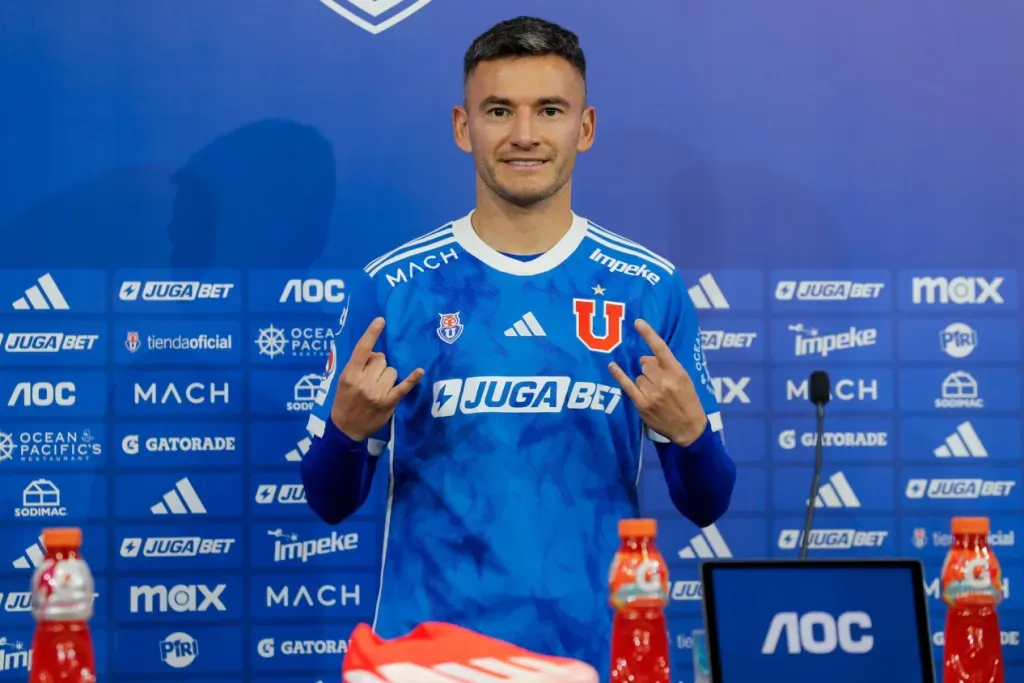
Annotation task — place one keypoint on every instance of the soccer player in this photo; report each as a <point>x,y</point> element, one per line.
<point>513,360</point>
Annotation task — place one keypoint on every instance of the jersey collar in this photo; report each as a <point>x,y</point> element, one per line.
<point>466,236</point>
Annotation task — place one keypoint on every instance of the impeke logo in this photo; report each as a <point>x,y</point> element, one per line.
<point>375,16</point>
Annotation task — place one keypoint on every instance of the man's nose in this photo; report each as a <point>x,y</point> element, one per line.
<point>524,131</point>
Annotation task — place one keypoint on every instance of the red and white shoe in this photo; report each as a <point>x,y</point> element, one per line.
<point>436,652</point>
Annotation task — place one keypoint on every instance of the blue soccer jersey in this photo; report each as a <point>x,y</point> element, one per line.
<point>513,460</point>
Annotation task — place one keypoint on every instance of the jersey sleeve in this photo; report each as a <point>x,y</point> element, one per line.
<point>678,325</point>
<point>361,306</point>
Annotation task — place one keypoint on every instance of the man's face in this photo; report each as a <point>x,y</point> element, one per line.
<point>524,121</point>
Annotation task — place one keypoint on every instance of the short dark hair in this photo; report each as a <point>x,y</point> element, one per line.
<point>525,37</point>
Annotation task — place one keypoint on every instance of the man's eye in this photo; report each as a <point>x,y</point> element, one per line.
<point>551,111</point>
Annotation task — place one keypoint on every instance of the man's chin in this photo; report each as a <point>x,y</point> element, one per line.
<point>524,196</point>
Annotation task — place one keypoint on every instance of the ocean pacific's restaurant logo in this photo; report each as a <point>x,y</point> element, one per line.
<point>375,16</point>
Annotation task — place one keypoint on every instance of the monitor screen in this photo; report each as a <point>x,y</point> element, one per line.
<point>836,621</point>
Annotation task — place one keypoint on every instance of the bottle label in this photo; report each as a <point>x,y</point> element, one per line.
<point>971,580</point>
<point>63,591</point>
<point>638,582</point>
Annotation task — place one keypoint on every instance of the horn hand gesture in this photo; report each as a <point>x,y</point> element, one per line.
<point>367,390</point>
<point>663,393</point>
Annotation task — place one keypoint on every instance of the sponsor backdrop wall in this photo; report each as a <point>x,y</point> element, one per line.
<point>185,188</point>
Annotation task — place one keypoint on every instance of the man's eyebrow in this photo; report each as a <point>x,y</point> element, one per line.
<point>494,100</point>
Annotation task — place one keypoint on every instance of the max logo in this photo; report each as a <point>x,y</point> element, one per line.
<point>612,313</point>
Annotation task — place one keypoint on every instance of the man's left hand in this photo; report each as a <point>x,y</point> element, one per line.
<point>664,394</point>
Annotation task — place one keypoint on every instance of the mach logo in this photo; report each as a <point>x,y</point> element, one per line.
<point>612,315</point>
<point>375,16</point>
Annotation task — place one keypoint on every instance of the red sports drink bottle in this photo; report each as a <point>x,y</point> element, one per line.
<point>62,597</point>
<point>639,593</point>
<point>972,586</point>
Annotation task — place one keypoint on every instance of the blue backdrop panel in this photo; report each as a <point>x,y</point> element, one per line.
<point>186,188</point>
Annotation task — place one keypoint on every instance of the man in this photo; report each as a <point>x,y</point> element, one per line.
<point>503,379</point>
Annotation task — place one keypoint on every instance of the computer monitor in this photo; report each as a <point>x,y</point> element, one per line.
<point>831,621</point>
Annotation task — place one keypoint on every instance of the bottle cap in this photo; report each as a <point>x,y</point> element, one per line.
<point>970,525</point>
<point>637,527</point>
<point>70,537</point>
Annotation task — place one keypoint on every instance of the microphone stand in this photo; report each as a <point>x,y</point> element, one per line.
<point>812,501</point>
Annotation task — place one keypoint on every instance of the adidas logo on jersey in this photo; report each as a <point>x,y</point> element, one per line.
<point>181,500</point>
<point>707,294</point>
<point>837,493</point>
<point>708,544</point>
<point>43,296</point>
<point>527,326</point>
<point>963,443</point>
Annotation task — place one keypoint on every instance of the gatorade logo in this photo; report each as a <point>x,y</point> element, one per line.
<point>648,577</point>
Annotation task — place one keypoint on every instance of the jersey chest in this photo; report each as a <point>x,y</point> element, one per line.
<point>523,345</point>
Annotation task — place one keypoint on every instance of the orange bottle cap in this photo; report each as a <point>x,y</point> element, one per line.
<point>70,537</point>
<point>970,525</point>
<point>637,527</point>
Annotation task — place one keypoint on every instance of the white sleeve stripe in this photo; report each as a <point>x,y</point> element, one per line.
<point>412,252</point>
<point>411,243</point>
<point>715,419</point>
<point>655,436</point>
<point>623,250</point>
<point>608,234</point>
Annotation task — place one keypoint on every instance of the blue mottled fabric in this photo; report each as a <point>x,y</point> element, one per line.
<point>515,457</point>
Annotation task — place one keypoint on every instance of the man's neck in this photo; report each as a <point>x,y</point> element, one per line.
<point>521,231</point>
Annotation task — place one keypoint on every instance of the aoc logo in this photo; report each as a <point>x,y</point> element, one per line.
<point>376,16</point>
<point>819,633</point>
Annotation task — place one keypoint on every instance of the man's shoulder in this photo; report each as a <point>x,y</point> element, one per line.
<point>427,251</point>
<point>621,254</point>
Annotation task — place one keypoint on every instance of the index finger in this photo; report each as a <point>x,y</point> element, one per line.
<point>364,347</point>
<point>658,346</point>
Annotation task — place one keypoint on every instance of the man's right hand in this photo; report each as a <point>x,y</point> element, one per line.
<point>367,394</point>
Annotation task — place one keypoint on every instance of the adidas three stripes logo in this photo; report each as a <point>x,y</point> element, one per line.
<point>181,500</point>
<point>963,443</point>
<point>706,545</point>
<point>707,294</point>
<point>42,296</point>
<point>836,493</point>
<point>527,326</point>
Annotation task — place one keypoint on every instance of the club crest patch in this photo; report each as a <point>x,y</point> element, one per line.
<point>450,327</point>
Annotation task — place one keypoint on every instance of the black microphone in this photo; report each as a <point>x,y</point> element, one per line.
<point>819,393</point>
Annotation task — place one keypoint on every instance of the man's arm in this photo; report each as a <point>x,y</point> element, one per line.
<point>337,471</point>
<point>700,474</point>
<point>676,399</point>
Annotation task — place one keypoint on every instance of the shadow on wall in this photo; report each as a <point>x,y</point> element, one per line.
<point>260,196</point>
<point>659,192</point>
<point>715,210</point>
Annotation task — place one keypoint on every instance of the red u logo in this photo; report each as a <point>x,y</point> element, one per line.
<point>613,313</point>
